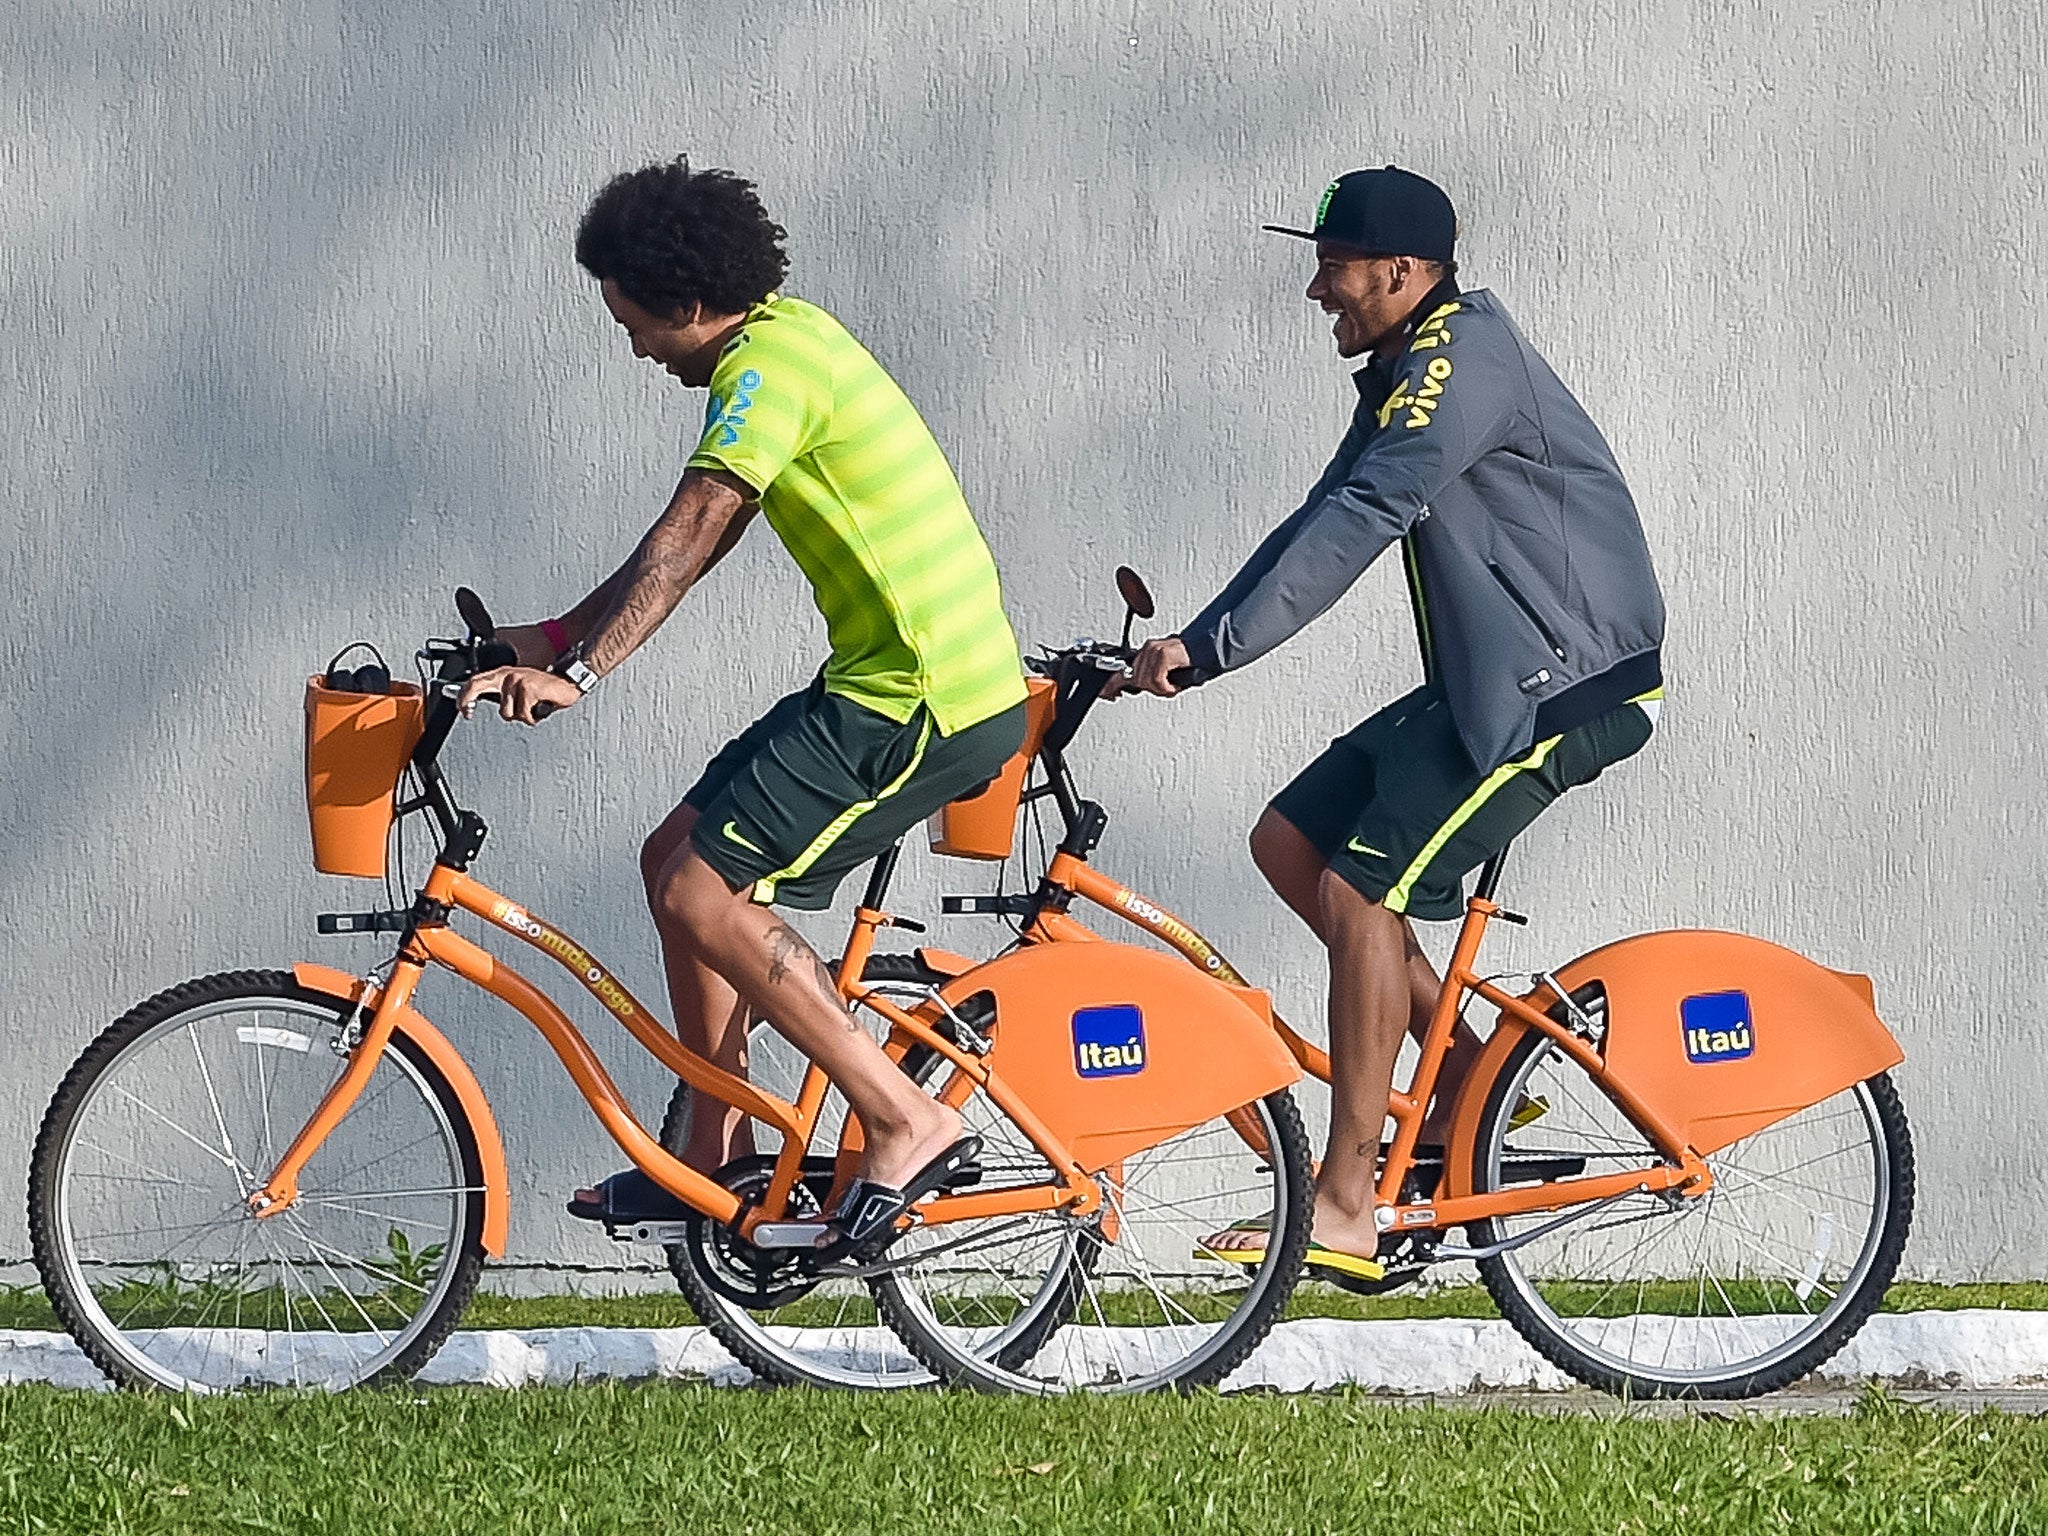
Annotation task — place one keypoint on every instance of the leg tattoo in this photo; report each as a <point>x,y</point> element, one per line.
<point>787,947</point>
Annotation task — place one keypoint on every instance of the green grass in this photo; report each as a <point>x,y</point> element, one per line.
<point>693,1459</point>
<point>26,1306</point>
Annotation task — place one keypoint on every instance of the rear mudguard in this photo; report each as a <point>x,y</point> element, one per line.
<point>1116,1048</point>
<point>489,1145</point>
<point>1717,1034</point>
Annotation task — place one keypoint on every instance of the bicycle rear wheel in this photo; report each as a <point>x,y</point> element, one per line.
<point>1130,1300</point>
<point>801,1330</point>
<point>138,1188</point>
<point>1740,1291</point>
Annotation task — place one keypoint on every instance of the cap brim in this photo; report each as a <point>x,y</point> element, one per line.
<point>1281,229</point>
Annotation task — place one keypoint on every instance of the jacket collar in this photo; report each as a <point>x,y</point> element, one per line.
<point>1377,376</point>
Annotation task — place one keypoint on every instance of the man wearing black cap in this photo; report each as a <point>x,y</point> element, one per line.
<point>1540,625</point>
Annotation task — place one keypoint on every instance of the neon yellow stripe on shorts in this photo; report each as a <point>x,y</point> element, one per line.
<point>1397,898</point>
<point>764,889</point>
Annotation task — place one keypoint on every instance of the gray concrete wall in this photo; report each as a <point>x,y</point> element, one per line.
<point>295,343</point>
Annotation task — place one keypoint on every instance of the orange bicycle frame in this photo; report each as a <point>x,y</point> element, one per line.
<point>1683,1171</point>
<point>390,1010</point>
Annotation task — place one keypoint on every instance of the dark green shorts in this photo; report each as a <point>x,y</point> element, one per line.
<point>1397,809</point>
<point>820,784</point>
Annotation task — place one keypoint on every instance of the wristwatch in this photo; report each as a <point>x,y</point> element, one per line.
<point>576,670</point>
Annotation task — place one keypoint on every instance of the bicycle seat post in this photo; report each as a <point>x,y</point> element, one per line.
<point>1489,874</point>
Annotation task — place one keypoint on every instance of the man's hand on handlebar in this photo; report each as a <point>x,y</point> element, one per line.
<point>1151,669</point>
<point>520,692</point>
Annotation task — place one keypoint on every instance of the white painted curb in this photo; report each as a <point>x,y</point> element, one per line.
<point>1970,1350</point>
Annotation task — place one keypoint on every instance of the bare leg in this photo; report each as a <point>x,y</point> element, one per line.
<point>772,969</point>
<point>710,1018</point>
<point>1294,869</point>
<point>1369,1011</point>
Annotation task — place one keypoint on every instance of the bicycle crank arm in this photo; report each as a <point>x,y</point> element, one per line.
<point>651,1234</point>
<point>787,1234</point>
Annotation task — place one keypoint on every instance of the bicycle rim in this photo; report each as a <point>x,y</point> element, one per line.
<point>1734,1292</point>
<point>1144,1304</point>
<point>145,1238</point>
<point>827,1334</point>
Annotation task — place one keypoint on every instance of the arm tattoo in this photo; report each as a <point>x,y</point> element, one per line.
<point>677,550</point>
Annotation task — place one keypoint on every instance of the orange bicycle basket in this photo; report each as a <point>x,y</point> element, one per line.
<point>983,826</point>
<point>357,745</point>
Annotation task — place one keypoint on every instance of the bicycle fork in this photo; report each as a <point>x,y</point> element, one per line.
<point>277,1193</point>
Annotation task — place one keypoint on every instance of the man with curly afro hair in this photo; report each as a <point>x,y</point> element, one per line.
<point>921,700</point>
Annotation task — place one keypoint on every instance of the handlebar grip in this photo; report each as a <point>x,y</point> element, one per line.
<point>1185,677</point>
<point>540,711</point>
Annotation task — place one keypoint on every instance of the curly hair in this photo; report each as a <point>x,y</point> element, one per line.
<point>671,237</point>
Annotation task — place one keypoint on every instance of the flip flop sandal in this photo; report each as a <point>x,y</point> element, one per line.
<point>1527,1113</point>
<point>1328,1261</point>
<point>626,1198</point>
<point>1260,1224</point>
<point>865,1218</point>
<point>1329,1264</point>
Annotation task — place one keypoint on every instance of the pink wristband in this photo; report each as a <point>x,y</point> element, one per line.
<point>558,637</point>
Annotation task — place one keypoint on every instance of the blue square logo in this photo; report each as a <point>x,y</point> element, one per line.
<point>1717,1027</point>
<point>1109,1042</point>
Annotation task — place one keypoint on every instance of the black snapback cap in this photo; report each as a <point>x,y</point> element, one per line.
<point>1384,212</point>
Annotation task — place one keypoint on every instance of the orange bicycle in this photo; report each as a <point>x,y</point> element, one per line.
<point>291,1177</point>
<point>1680,1164</point>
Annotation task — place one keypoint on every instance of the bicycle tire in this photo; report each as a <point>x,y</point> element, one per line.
<point>954,1359</point>
<point>51,1209</point>
<point>778,1351</point>
<point>1592,1346</point>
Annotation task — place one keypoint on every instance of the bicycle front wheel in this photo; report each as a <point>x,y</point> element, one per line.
<point>138,1197</point>
<point>1736,1292</point>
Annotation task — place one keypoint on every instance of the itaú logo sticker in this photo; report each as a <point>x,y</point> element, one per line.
<point>1717,1027</point>
<point>1109,1042</point>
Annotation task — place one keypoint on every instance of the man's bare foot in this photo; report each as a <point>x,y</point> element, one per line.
<point>1241,1236</point>
<point>897,1154</point>
<point>1333,1229</point>
<point>1344,1231</point>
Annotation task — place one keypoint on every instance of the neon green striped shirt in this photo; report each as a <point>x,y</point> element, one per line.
<point>860,493</point>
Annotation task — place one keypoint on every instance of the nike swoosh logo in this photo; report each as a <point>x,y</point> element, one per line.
<point>732,831</point>
<point>1357,847</point>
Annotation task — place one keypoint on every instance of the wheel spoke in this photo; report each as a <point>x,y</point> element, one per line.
<point>1720,1289</point>
<point>167,1269</point>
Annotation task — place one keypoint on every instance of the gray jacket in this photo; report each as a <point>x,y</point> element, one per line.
<point>1535,604</point>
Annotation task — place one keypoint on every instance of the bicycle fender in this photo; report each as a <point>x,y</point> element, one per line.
<point>1717,1034</point>
<point>1115,1049</point>
<point>489,1145</point>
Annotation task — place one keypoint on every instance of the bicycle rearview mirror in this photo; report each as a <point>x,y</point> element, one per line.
<point>474,613</point>
<point>1137,596</point>
<point>1137,599</point>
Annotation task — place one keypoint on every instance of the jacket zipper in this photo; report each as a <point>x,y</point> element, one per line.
<point>1422,634</point>
<point>1528,612</point>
